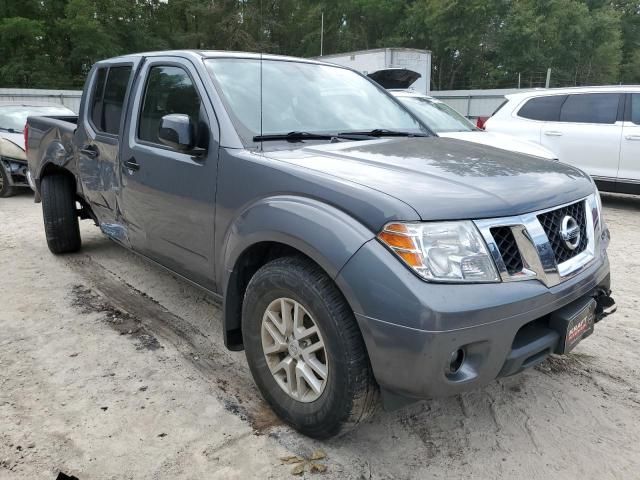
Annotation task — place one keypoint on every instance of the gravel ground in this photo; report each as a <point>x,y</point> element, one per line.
<point>112,368</point>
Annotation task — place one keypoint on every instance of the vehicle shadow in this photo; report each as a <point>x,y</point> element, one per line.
<point>21,193</point>
<point>620,201</point>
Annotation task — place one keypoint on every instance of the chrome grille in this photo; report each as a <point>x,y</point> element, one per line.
<point>506,243</point>
<point>526,247</point>
<point>552,223</point>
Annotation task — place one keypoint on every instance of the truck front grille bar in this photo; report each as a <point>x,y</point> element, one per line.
<point>533,245</point>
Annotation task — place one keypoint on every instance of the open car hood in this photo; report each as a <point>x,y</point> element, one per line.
<point>394,77</point>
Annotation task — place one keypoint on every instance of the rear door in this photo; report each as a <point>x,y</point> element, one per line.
<point>629,172</point>
<point>169,196</point>
<point>98,141</point>
<point>587,133</point>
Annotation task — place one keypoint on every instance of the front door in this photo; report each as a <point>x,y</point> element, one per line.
<point>629,173</point>
<point>168,196</point>
<point>588,133</point>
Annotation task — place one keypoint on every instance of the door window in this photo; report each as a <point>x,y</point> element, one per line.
<point>543,108</point>
<point>170,90</point>
<point>108,98</point>
<point>590,108</point>
<point>635,108</point>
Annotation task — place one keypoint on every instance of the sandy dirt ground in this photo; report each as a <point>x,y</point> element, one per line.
<point>111,368</point>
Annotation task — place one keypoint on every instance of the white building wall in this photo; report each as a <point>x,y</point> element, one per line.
<point>470,103</point>
<point>369,61</point>
<point>68,98</point>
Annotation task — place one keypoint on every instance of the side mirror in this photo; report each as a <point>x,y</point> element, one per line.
<point>176,131</point>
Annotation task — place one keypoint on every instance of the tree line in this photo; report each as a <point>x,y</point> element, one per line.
<point>474,43</point>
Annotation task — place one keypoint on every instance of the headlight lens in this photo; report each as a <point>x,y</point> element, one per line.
<point>602,232</point>
<point>441,251</point>
<point>599,205</point>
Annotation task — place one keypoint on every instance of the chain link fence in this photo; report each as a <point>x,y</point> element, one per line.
<point>542,78</point>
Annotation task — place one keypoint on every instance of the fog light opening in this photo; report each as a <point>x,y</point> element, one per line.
<point>457,359</point>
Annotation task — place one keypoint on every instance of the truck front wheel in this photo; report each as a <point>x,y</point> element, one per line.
<point>305,350</point>
<point>60,215</point>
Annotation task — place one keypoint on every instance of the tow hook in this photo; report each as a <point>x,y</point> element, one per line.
<point>605,304</point>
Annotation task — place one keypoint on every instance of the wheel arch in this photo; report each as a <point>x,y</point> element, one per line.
<point>283,226</point>
<point>52,168</point>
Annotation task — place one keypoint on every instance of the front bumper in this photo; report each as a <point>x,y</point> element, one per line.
<point>16,170</point>
<point>412,328</point>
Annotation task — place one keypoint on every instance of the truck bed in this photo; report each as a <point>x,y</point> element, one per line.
<point>50,138</point>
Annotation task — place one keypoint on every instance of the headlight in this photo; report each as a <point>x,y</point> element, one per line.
<point>441,251</point>
<point>602,232</point>
<point>599,205</point>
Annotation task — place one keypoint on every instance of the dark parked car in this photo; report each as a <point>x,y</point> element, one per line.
<point>355,253</point>
<point>13,160</point>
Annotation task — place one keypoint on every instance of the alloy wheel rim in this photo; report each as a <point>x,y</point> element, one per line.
<point>294,350</point>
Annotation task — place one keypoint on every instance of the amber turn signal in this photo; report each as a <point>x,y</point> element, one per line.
<point>397,237</point>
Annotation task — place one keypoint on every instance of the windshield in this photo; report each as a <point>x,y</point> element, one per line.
<point>303,97</point>
<point>438,116</point>
<point>14,117</point>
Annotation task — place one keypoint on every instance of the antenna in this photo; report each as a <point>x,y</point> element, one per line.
<point>321,32</point>
<point>261,49</point>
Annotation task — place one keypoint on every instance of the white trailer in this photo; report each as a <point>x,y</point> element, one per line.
<point>370,61</point>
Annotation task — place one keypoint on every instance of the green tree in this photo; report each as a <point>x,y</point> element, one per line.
<point>581,46</point>
<point>630,20</point>
<point>459,34</point>
<point>475,43</point>
<point>21,41</point>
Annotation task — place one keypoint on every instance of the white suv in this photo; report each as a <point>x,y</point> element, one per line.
<point>596,129</point>
<point>446,122</point>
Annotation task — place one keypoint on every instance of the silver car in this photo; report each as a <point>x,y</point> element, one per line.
<point>13,160</point>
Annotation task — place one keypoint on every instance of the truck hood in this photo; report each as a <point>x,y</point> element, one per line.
<point>502,141</point>
<point>446,179</point>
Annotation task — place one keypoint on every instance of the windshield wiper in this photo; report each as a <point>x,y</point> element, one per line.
<point>383,132</point>
<point>355,135</point>
<point>10,130</point>
<point>293,137</point>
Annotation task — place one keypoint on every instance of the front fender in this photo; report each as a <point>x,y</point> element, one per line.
<point>324,233</point>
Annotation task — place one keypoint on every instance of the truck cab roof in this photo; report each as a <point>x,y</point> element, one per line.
<point>202,54</point>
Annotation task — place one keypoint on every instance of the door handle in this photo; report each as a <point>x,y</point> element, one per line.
<point>89,150</point>
<point>131,164</point>
<point>553,133</point>
<point>632,137</point>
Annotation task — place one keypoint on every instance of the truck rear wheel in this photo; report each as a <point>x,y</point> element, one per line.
<point>60,215</point>
<point>6,190</point>
<point>305,350</point>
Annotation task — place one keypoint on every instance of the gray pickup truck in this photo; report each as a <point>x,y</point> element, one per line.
<point>357,255</point>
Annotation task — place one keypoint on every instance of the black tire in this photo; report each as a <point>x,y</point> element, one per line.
<point>60,216</point>
<point>351,393</point>
<point>5,189</point>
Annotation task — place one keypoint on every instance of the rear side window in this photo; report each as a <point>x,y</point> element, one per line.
<point>500,107</point>
<point>108,98</point>
<point>170,90</point>
<point>591,108</point>
<point>543,108</point>
<point>98,92</point>
<point>635,108</point>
